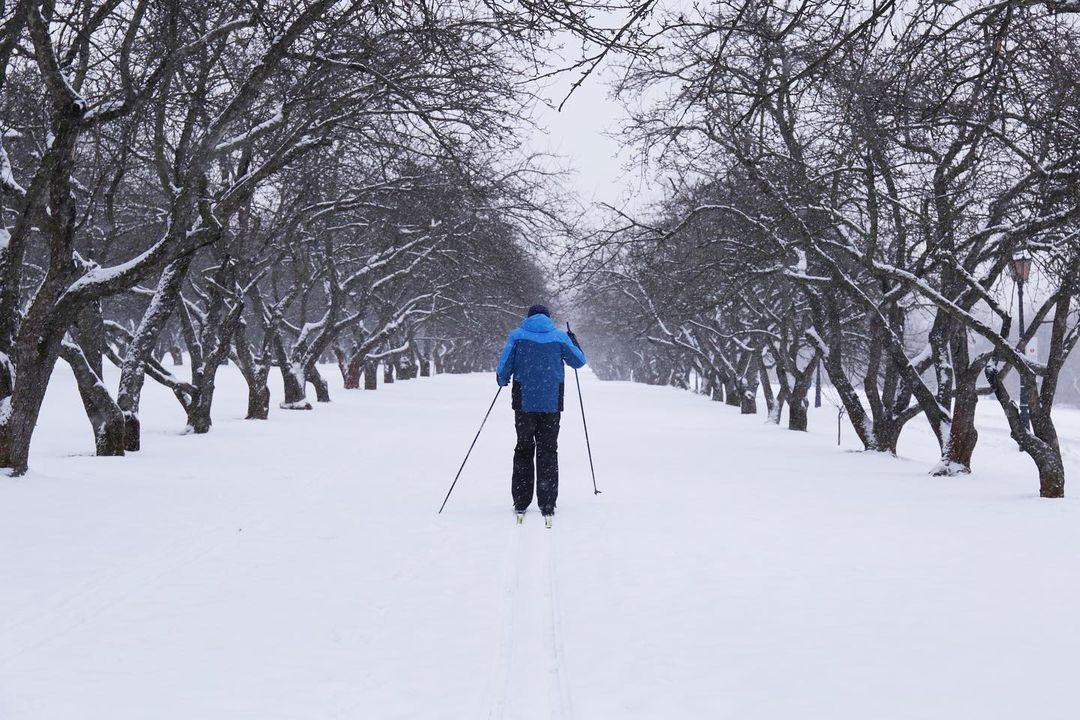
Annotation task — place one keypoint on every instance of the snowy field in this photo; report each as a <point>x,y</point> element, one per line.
<point>297,569</point>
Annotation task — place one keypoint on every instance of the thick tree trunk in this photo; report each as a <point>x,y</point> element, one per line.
<point>294,389</point>
<point>19,411</point>
<point>747,394</point>
<point>322,390</point>
<point>886,436</point>
<point>1041,443</point>
<point>748,404</point>
<point>352,371</point>
<point>797,408</point>
<point>716,388</point>
<point>84,356</point>
<point>256,373</point>
<point>958,378</point>
<point>1051,474</point>
<point>826,315</point>
<point>799,401</point>
<point>139,350</point>
<point>388,372</point>
<point>198,406</point>
<point>371,375</point>
<point>959,444</point>
<point>198,411</point>
<point>731,392</point>
<point>771,405</point>
<point>405,366</point>
<point>106,420</point>
<point>258,407</point>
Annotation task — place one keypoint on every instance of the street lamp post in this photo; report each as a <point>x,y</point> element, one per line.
<point>1021,268</point>
<point>817,385</point>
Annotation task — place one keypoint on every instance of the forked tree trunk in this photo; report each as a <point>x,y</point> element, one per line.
<point>1041,443</point>
<point>198,411</point>
<point>959,445</point>
<point>22,410</point>
<point>293,387</point>
<point>139,350</point>
<point>256,373</point>
<point>104,414</point>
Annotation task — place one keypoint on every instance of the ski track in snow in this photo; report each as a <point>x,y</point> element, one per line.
<point>532,652</point>
<point>558,653</point>
<point>500,675</point>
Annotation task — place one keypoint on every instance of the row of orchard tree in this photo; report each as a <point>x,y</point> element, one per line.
<point>274,184</point>
<point>850,185</point>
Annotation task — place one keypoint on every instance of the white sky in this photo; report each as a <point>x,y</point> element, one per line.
<point>580,134</point>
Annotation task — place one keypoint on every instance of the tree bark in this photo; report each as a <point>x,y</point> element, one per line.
<point>104,414</point>
<point>322,389</point>
<point>731,391</point>
<point>293,387</point>
<point>959,447</point>
<point>133,371</point>
<point>354,368</point>
<point>797,408</point>
<point>256,373</point>
<point>19,412</point>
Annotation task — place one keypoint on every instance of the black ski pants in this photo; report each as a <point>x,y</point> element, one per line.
<point>537,435</point>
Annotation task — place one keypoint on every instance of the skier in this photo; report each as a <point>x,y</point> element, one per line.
<point>534,355</point>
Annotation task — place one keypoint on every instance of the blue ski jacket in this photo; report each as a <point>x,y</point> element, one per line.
<point>534,355</point>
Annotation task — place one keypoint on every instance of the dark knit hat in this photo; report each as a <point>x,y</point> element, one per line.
<point>539,310</point>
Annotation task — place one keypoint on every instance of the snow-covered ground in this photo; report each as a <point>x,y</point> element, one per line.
<point>296,568</point>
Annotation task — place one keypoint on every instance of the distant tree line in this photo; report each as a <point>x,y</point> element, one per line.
<point>851,186</point>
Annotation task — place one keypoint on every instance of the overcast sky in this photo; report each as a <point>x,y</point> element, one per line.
<point>581,132</point>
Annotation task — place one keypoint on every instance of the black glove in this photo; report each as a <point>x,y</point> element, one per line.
<point>573,338</point>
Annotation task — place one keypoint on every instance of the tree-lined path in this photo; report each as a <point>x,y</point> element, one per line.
<point>297,568</point>
<point>258,259</point>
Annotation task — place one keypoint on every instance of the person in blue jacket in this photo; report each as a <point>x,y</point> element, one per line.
<point>533,356</point>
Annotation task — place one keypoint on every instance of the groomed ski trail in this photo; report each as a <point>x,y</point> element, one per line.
<point>531,674</point>
<point>558,652</point>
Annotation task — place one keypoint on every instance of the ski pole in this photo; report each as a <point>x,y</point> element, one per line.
<point>584,424</point>
<point>470,449</point>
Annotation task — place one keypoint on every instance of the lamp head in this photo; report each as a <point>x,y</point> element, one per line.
<point>1021,265</point>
